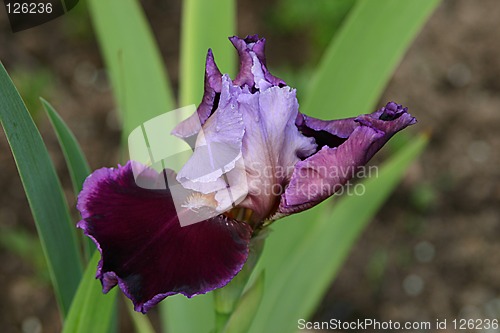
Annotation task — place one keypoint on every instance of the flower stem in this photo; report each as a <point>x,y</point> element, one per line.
<point>220,321</point>
<point>227,298</point>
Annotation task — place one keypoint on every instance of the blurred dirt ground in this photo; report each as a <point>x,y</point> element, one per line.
<point>433,251</point>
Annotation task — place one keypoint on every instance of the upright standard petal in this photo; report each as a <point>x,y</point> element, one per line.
<point>213,85</point>
<point>143,247</point>
<point>253,62</point>
<point>344,146</point>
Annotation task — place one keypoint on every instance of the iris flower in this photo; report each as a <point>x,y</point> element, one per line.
<point>291,163</point>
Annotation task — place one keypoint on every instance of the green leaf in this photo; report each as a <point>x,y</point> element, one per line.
<point>91,310</point>
<point>205,24</point>
<point>75,159</point>
<point>43,190</point>
<point>228,298</point>
<point>133,60</point>
<point>362,56</point>
<point>300,272</point>
<point>242,317</point>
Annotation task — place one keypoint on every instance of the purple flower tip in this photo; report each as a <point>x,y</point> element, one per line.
<point>392,111</point>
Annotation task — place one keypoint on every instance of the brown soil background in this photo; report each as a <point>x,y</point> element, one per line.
<point>431,253</point>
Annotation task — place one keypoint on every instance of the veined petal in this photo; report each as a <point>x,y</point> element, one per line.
<point>345,145</point>
<point>218,145</point>
<point>272,145</point>
<point>143,247</point>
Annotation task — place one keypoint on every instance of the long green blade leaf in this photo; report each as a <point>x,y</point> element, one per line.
<point>361,58</point>
<point>75,159</point>
<point>205,24</point>
<point>133,60</point>
<point>299,278</point>
<point>43,190</point>
<point>91,310</point>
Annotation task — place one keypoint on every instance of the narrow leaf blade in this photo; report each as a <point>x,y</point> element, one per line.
<point>75,159</point>
<point>91,310</point>
<point>43,190</point>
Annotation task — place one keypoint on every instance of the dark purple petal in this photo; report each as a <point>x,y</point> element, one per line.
<point>213,86</point>
<point>251,52</point>
<point>146,251</point>
<point>344,146</point>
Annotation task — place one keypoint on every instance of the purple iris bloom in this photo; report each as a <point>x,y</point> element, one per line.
<point>291,163</point>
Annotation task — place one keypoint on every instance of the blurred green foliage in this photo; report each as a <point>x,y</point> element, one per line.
<point>318,19</point>
<point>77,23</point>
<point>424,197</point>
<point>375,270</point>
<point>33,83</point>
<point>27,247</point>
